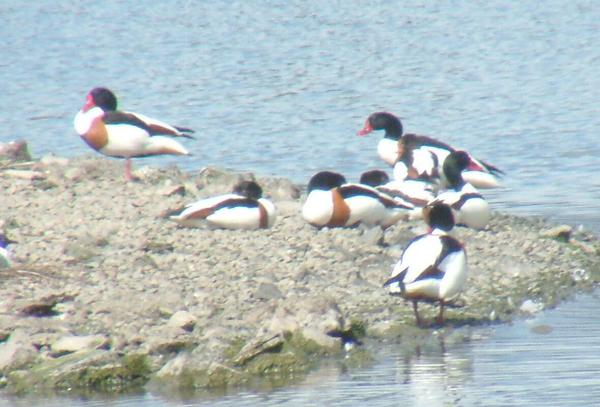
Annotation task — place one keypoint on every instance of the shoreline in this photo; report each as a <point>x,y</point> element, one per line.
<point>106,295</point>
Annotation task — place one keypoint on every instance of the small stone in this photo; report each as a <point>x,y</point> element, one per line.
<point>318,319</point>
<point>79,252</point>
<point>51,159</point>
<point>16,150</point>
<point>395,251</point>
<point>173,190</point>
<point>157,247</point>
<point>163,340</point>
<point>261,344</point>
<point>43,307</point>
<point>268,291</point>
<point>183,320</point>
<point>71,344</point>
<point>562,232</point>
<point>585,247</point>
<point>165,312</point>
<point>74,174</point>
<point>16,351</point>
<point>279,188</point>
<point>531,307</point>
<point>217,181</point>
<point>175,367</point>
<point>372,236</point>
<point>24,174</point>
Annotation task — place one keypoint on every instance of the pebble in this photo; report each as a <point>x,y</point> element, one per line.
<point>71,344</point>
<point>183,320</point>
<point>531,307</point>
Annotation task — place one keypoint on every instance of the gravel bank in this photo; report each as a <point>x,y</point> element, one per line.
<point>105,293</point>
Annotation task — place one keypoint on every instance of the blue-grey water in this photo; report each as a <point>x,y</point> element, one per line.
<point>281,87</point>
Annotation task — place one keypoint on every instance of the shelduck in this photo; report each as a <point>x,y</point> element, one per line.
<point>243,208</point>
<point>416,153</point>
<point>125,134</point>
<point>469,207</point>
<point>417,192</point>
<point>331,201</point>
<point>433,267</point>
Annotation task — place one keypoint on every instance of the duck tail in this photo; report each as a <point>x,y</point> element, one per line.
<point>184,132</point>
<point>398,278</point>
<point>172,214</point>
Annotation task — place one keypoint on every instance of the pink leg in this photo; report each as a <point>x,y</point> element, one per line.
<point>128,175</point>
<point>440,318</point>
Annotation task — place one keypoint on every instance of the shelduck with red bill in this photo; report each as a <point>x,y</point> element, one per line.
<point>125,134</point>
<point>420,148</point>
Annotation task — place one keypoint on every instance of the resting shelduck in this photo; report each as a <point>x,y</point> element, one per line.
<point>244,208</point>
<point>433,267</point>
<point>124,134</point>
<point>417,192</point>
<point>4,255</point>
<point>419,149</point>
<point>331,201</point>
<point>469,207</point>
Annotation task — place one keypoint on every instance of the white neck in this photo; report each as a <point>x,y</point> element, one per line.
<point>83,120</point>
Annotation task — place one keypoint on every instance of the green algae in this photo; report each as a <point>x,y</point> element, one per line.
<point>82,372</point>
<point>275,367</point>
<point>130,372</point>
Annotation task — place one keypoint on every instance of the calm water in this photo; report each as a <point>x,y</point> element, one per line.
<point>282,87</point>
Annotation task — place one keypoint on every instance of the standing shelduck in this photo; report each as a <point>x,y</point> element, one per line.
<point>244,208</point>
<point>469,207</point>
<point>433,267</point>
<point>331,201</point>
<point>125,134</point>
<point>417,153</point>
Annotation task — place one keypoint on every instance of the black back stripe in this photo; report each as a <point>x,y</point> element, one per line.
<point>349,191</point>
<point>117,117</point>
<point>236,203</point>
<point>421,141</point>
<point>431,272</point>
<point>464,198</point>
<point>352,190</point>
<point>449,245</point>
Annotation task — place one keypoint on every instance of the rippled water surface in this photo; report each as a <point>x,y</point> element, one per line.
<point>282,87</point>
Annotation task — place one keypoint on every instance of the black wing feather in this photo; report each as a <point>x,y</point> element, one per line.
<point>236,202</point>
<point>117,117</point>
